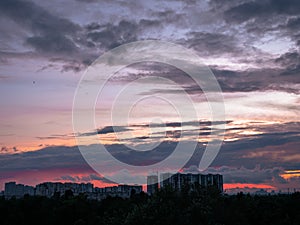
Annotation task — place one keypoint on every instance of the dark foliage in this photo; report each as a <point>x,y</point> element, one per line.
<point>167,206</point>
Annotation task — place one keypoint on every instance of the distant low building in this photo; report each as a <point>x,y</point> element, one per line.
<point>17,190</point>
<point>261,192</point>
<point>122,190</point>
<point>49,188</point>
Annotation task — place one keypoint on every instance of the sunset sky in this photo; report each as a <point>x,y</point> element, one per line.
<point>252,47</point>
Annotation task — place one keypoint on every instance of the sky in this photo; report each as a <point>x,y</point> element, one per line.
<point>252,48</point>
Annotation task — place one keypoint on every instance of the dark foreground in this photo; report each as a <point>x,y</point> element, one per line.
<point>165,207</point>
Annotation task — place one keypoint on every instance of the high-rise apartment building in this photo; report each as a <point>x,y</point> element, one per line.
<point>152,184</point>
<point>179,180</point>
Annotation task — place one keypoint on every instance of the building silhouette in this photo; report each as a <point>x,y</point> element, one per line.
<point>179,180</point>
<point>18,190</point>
<point>152,184</point>
<point>50,189</point>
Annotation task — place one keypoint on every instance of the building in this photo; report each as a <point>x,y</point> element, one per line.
<point>130,189</point>
<point>164,179</point>
<point>49,189</point>
<point>179,180</point>
<point>152,184</point>
<point>10,189</point>
<point>122,190</point>
<point>29,190</point>
<point>17,190</point>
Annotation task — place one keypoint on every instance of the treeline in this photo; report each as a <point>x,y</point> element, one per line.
<point>167,206</point>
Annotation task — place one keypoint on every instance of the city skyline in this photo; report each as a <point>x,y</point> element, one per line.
<point>252,48</point>
<point>58,189</point>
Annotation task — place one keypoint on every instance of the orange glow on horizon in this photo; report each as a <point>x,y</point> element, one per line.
<point>247,185</point>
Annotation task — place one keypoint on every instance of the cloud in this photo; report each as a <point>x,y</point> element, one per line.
<point>84,178</point>
<point>244,146</point>
<point>211,44</point>
<point>141,158</point>
<point>7,150</point>
<point>198,125</point>
<point>289,59</point>
<point>261,9</point>
<point>35,17</point>
<point>57,136</point>
<point>113,36</point>
<point>49,30</point>
<point>291,62</point>
<point>257,175</point>
<point>52,43</point>
<point>57,157</point>
<point>108,36</point>
<point>49,35</point>
<point>78,45</point>
<point>293,24</point>
<point>273,148</point>
<point>106,130</point>
<point>268,150</point>
<point>279,73</point>
<point>260,79</point>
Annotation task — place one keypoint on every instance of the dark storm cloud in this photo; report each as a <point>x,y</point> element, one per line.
<point>108,36</point>
<point>267,150</point>
<point>263,140</point>
<point>290,59</point>
<point>141,158</point>
<point>35,17</point>
<point>57,38</point>
<point>49,30</point>
<point>213,43</point>
<point>60,157</point>
<point>257,175</point>
<point>291,62</point>
<point>273,147</point>
<point>265,8</point>
<point>78,46</point>
<point>182,124</point>
<point>47,158</point>
<point>258,18</point>
<point>93,26</point>
<point>182,79</point>
<point>203,125</point>
<point>106,130</point>
<point>112,36</point>
<point>248,80</point>
<point>292,29</point>
<point>52,44</point>
<point>293,24</point>
<point>265,77</point>
<point>262,79</point>
<point>168,17</point>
